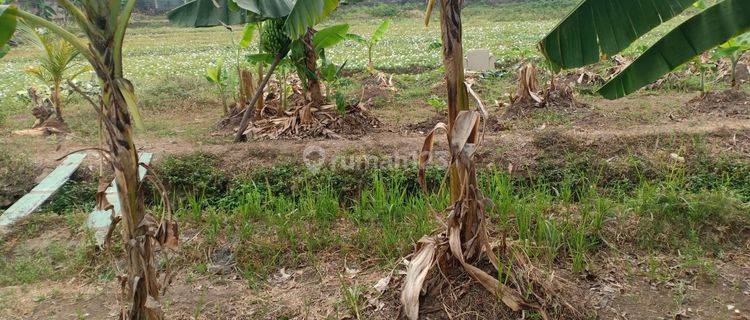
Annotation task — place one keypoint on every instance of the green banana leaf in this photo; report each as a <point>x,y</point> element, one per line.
<point>4,50</point>
<point>247,35</point>
<point>268,8</point>
<point>204,13</point>
<point>605,27</point>
<point>7,24</point>
<point>266,58</point>
<point>301,14</point>
<point>702,32</point>
<point>356,38</point>
<point>215,74</point>
<point>306,14</point>
<point>329,36</point>
<point>380,31</point>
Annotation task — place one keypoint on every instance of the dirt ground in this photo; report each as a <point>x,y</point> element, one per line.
<point>624,284</point>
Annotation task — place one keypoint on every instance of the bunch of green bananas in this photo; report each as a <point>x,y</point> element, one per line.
<point>273,39</point>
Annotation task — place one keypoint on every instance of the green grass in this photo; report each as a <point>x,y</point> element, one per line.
<point>287,216</point>
<point>15,171</point>
<point>50,260</point>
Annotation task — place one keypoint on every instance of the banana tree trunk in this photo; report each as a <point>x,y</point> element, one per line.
<point>370,65</point>
<point>57,102</point>
<point>735,61</point>
<point>240,135</point>
<point>458,100</point>
<point>451,29</point>
<point>311,63</point>
<point>260,104</point>
<point>141,278</point>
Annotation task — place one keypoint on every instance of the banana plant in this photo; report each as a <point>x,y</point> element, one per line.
<point>465,238</point>
<point>298,17</point>
<point>215,74</point>
<point>601,28</point>
<point>734,49</point>
<point>306,53</point>
<point>55,63</point>
<point>331,74</point>
<point>375,38</point>
<point>104,24</point>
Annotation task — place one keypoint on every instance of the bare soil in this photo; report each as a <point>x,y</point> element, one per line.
<point>729,103</point>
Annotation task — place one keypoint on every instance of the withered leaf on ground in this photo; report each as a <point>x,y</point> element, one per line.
<point>416,273</point>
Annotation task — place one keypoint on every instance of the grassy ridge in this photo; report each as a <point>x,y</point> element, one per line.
<point>286,216</point>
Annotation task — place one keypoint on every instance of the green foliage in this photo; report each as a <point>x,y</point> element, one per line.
<point>15,174</point>
<point>383,10</point>
<point>8,24</point>
<point>4,50</point>
<point>340,103</point>
<point>196,174</point>
<point>734,49</point>
<point>273,39</point>
<point>329,37</point>
<point>437,103</point>
<point>215,74</point>
<point>54,260</point>
<point>375,38</point>
<point>248,34</point>
<point>203,13</point>
<point>673,217</point>
<point>74,196</point>
<point>331,74</point>
<point>297,16</point>
<point>590,32</point>
<point>55,60</point>
<point>435,45</point>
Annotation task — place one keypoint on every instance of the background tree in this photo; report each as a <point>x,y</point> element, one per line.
<point>215,74</point>
<point>734,49</point>
<point>298,18</point>
<point>104,23</point>
<point>598,28</point>
<point>375,38</point>
<point>55,63</point>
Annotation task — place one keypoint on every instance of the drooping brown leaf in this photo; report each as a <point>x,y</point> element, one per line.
<point>168,234</point>
<point>476,97</point>
<point>510,297</point>
<point>416,273</point>
<point>149,225</point>
<point>111,229</point>
<point>528,85</point>
<point>425,154</point>
<point>465,127</point>
<point>101,195</point>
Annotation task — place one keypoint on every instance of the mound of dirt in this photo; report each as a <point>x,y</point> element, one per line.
<point>530,97</point>
<point>730,103</point>
<point>377,86</point>
<point>308,122</point>
<point>428,124</point>
<point>558,100</point>
<point>455,294</point>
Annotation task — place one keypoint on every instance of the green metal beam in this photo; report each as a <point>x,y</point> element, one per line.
<point>100,220</point>
<point>43,191</point>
